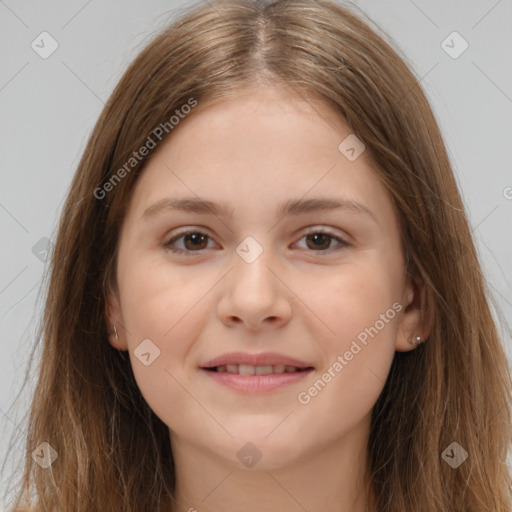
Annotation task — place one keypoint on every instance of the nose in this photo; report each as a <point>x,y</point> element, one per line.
<point>254,296</point>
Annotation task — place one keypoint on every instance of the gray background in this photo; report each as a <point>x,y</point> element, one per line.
<point>48,108</point>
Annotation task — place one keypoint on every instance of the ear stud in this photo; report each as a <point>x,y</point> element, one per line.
<point>416,340</point>
<point>115,332</point>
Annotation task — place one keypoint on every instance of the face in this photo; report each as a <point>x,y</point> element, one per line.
<point>296,312</point>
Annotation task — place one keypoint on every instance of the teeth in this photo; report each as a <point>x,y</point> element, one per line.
<point>247,369</point>
<point>263,370</point>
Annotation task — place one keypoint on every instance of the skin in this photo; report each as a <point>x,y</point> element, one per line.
<point>305,299</point>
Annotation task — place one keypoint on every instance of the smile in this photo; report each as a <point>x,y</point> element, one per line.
<point>247,369</point>
<point>256,379</point>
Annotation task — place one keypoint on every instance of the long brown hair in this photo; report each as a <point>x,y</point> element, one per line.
<point>113,453</point>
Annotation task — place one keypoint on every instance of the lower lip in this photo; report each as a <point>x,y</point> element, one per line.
<point>256,383</point>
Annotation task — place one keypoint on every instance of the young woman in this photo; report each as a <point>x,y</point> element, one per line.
<point>264,293</point>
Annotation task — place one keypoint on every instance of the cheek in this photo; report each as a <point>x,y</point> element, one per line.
<point>166,309</point>
<point>355,299</point>
<point>154,298</point>
<point>358,310</point>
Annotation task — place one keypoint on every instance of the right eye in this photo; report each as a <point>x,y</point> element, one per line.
<point>193,240</point>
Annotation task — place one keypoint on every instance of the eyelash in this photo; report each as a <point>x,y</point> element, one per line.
<point>323,231</point>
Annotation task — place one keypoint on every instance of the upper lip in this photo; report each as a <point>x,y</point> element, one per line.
<point>263,359</point>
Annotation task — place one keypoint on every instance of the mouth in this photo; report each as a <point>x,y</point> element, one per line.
<point>247,369</point>
<point>255,373</point>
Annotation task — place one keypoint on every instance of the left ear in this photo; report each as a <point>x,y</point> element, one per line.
<point>416,317</point>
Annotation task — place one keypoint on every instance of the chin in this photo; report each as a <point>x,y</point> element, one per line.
<point>256,450</point>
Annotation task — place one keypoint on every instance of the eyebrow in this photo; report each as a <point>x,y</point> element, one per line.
<point>290,207</point>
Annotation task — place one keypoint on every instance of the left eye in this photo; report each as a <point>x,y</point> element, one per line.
<point>195,241</point>
<point>322,240</point>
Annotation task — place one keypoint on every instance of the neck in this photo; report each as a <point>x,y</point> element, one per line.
<point>332,480</point>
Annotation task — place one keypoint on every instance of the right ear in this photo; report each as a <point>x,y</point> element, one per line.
<point>114,318</point>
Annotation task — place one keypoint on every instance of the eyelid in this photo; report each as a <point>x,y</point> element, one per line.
<point>323,229</point>
<point>333,233</point>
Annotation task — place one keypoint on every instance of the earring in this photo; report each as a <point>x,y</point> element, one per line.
<point>115,331</point>
<point>417,342</point>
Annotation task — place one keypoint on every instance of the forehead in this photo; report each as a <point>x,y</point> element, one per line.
<point>265,147</point>
<point>258,115</point>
